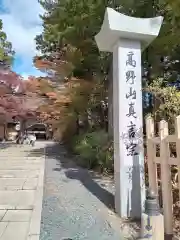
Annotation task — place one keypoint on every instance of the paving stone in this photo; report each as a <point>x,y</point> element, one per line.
<point>11,183</point>
<point>17,198</point>
<point>25,161</point>
<point>7,207</point>
<point>17,216</point>
<point>19,173</point>
<point>30,184</point>
<point>15,231</point>
<point>2,213</point>
<point>20,167</point>
<point>8,198</point>
<point>3,226</point>
<point>33,237</point>
<point>24,207</point>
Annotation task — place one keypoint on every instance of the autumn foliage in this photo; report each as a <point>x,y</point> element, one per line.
<point>13,97</point>
<point>62,106</point>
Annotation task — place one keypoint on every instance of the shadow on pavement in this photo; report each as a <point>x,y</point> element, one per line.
<point>4,145</point>
<point>72,171</point>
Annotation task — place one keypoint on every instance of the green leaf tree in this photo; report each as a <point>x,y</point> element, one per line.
<point>6,51</point>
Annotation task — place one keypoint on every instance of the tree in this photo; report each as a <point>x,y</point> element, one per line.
<point>75,23</point>
<point>13,96</point>
<point>6,51</point>
<point>166,101</point>
<point>69,50</point>
<point>69,30</point>
<point>12,88</point>
<point>70,27</point>
<point>10,84</point>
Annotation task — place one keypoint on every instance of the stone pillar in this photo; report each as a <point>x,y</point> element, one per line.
<point>125,37</point>
<point>128,147</point>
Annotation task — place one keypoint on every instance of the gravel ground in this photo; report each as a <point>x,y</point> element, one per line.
<point>78,205</point>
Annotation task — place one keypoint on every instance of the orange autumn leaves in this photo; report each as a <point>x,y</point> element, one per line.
<point>62,102</point>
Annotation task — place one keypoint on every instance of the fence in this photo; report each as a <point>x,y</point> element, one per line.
<point>164,163</point>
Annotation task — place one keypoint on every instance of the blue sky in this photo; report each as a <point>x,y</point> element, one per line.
<point>21,23</point>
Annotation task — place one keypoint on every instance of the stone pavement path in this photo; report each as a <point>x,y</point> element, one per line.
<point>75,205</point>
<point>21,189</point>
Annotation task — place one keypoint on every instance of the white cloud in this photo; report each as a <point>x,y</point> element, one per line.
<point>25,76</point>
<point>22,23</point>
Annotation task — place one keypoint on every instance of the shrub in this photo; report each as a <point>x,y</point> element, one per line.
<point>94,150</point>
